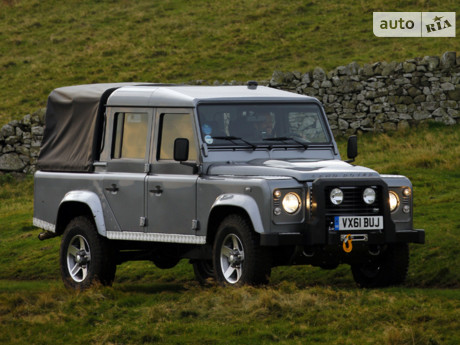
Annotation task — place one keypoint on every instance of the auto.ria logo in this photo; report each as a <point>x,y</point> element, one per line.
<point>414,24</point>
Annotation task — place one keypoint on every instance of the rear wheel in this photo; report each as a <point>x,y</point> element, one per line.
<point>388,269</point>
<point>204,271</point>
<point>85,257</point>
<point>238,257</point>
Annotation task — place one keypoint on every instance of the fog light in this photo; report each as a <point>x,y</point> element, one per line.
<point>369,196</point>
<point>277,211</point>
<point>406,209</point>
<point>394,201</point>
<point>336,196</point>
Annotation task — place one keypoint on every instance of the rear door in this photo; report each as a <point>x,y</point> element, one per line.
<point>124,181</point>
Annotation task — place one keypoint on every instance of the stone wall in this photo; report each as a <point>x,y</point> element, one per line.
<point>382,96</point>
<point>20,143</point>
<point>375,97</point>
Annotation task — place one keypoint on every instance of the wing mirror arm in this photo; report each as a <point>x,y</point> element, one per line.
<point>352,148</point>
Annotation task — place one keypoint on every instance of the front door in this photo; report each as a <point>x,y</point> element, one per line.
<point>171,186</point>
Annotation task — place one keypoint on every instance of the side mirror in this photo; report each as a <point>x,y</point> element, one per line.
<point>181,149</point>
<point>352,148</point>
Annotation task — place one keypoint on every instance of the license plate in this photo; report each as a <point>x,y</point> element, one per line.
<point>358,223</point>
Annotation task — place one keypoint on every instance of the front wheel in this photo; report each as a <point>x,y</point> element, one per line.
<point>85,257</point>
<point>238,257</point>
<point>390,268</point>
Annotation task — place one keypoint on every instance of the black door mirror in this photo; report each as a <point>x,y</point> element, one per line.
<point>352,148</point>
<point>181,149</point>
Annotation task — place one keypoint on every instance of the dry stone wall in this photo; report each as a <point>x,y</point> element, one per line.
<point>20,143</point>
<point>383,96</point>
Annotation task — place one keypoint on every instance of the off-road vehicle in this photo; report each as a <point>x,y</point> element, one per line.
<point>236,179</point>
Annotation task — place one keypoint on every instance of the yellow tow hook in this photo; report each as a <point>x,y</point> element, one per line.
<point>347,246</point>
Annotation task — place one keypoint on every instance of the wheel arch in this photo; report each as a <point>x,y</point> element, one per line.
<point>227,204</point>
<point>80,203</point>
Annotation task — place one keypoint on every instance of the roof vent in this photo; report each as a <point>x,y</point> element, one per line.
<point>252,85</point>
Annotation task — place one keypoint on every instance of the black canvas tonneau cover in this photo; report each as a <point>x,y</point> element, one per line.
<point>73,127</point>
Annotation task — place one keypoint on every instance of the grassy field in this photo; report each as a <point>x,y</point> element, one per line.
<point>48,44</point>
<point>300,305</point>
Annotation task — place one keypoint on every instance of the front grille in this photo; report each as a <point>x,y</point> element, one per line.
<point>353,203</point>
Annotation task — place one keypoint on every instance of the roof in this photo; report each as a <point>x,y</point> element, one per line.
<point>75,114</point>
<point>190,96</point>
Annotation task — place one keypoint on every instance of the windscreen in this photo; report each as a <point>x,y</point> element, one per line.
<point>262,124</point>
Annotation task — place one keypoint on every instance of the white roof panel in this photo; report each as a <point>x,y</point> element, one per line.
<point>189,96</point>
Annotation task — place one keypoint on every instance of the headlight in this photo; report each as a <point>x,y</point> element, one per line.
<point>369,196</point>
<point>336,196</point>
<point>291,202</point>
<point>394,201</point>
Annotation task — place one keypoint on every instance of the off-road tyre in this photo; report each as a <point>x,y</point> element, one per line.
<point>238,257</point>
<point>86,258</point>
<point>390,268</point>
<point>204,271</point>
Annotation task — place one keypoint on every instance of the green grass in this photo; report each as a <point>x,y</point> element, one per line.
<point>48,44</point>
<point>300,305</point>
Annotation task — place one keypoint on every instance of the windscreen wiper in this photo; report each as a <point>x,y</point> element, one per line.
<point>304,144</point>
<point>233,138</point>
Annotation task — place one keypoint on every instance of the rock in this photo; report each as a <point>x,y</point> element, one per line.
<point>368,71</point>
<point>439,112</point>
<point>343,125</point>
<point>453,113</point>
<point>326,84</point>
<point>277,79</point>
<point>375,108</point>
<point>447,120</point>
<point>37,131</point>
<point>413,91</point>
<point>409,67</point>
<point>7,131</point>
<point>419,98</point>
<point>319,74</point>
<point>432,62</point>
<point>421,115</point>
<point>305,79</point>
<point>448,59</point>
<point>454,94</point>
<point>447,86</point>
<point>449,104</point>
<point>11,162</point>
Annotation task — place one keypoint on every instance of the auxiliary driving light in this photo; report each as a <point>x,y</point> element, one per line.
<point>336,196</point>
<point>369,196</point>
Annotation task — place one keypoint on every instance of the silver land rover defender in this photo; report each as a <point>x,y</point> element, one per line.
<point>237,179</point>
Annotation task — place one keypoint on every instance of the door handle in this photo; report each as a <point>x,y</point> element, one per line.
<point>157,191</point>
<point>112,189</point>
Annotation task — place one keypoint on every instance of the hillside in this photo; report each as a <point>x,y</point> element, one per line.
<point>47,44</point>
<point>301,304</point>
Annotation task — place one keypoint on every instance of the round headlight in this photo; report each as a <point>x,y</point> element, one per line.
<point>394,201</point>
<point>336,196</point>
<point>291,202</point>
<point>369,196</point>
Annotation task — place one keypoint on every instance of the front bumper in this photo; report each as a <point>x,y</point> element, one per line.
<point>373,238</point>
